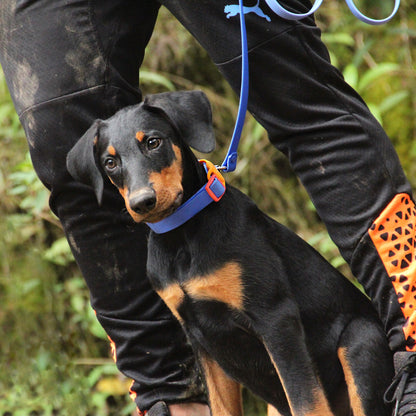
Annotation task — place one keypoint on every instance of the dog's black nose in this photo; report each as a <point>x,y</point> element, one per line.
<point>143,201</point>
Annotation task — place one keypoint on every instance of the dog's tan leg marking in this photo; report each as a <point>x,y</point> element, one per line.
<point>272,411</point>
<point>355,399</point>
<point>224,393</point>
<point>173,296</point>
<point>319,406</point>
<point>223,285</point>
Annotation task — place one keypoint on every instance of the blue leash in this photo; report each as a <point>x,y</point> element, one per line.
<point>230,161</point>
<point>215,187</point>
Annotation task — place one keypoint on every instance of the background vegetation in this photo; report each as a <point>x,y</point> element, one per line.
<point>54,357</point>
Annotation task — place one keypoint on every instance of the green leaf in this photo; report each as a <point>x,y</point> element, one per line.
<point>351,75</point>
<point>94,326</point>
<point>392,101</point>
<point>155,78</point>
<point>340,38</point>
<point>59,252</point>
<point>17,190</point>
<point>372,74</point>
<point>375,111</point>
<point>36,203</point>
<point>360,53</point>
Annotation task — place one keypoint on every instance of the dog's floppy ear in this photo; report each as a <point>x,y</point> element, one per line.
<point>190,112</point>
<point>81,162</point>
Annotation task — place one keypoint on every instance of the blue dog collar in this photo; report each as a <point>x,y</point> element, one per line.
<point>213,190</point>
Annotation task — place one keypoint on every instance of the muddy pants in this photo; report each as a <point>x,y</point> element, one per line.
<point>68,62</point>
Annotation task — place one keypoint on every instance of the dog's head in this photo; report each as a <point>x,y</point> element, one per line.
<point>140,150</point>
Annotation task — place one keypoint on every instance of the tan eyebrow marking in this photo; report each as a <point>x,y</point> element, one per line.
<point>111,150</point>
<point>140,136</point>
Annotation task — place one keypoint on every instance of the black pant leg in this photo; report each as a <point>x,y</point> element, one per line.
<point>66,64</point>
<point>334,144</point>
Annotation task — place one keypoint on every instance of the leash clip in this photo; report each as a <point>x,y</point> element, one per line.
<point>230,163</point>
<point>215,186</point>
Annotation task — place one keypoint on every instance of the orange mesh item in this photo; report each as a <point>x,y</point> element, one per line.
<point>393,234</point>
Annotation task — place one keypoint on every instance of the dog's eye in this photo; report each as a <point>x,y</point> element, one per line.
<point>110,163</point>
<point>153,143</point>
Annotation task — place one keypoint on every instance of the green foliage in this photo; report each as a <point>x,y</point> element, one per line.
<point>52,340</point>
<point>54,355</point>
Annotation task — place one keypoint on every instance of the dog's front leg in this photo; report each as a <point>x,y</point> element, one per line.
<point>284,339</point>
<point>224,393</point>
<point>272,411</point>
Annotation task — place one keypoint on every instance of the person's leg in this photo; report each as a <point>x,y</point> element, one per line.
<point>66,64</point>
<point>334,144</point>
<point>336,147</point>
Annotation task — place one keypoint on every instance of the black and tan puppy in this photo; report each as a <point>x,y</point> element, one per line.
<point>260,306</point>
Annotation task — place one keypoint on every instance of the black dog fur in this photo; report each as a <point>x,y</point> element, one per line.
<point>259,305</point>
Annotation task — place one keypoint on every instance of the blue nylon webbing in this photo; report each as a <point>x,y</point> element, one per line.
<point>230,161</point>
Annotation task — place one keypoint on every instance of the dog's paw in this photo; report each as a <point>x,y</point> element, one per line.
<point>159,409</point>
